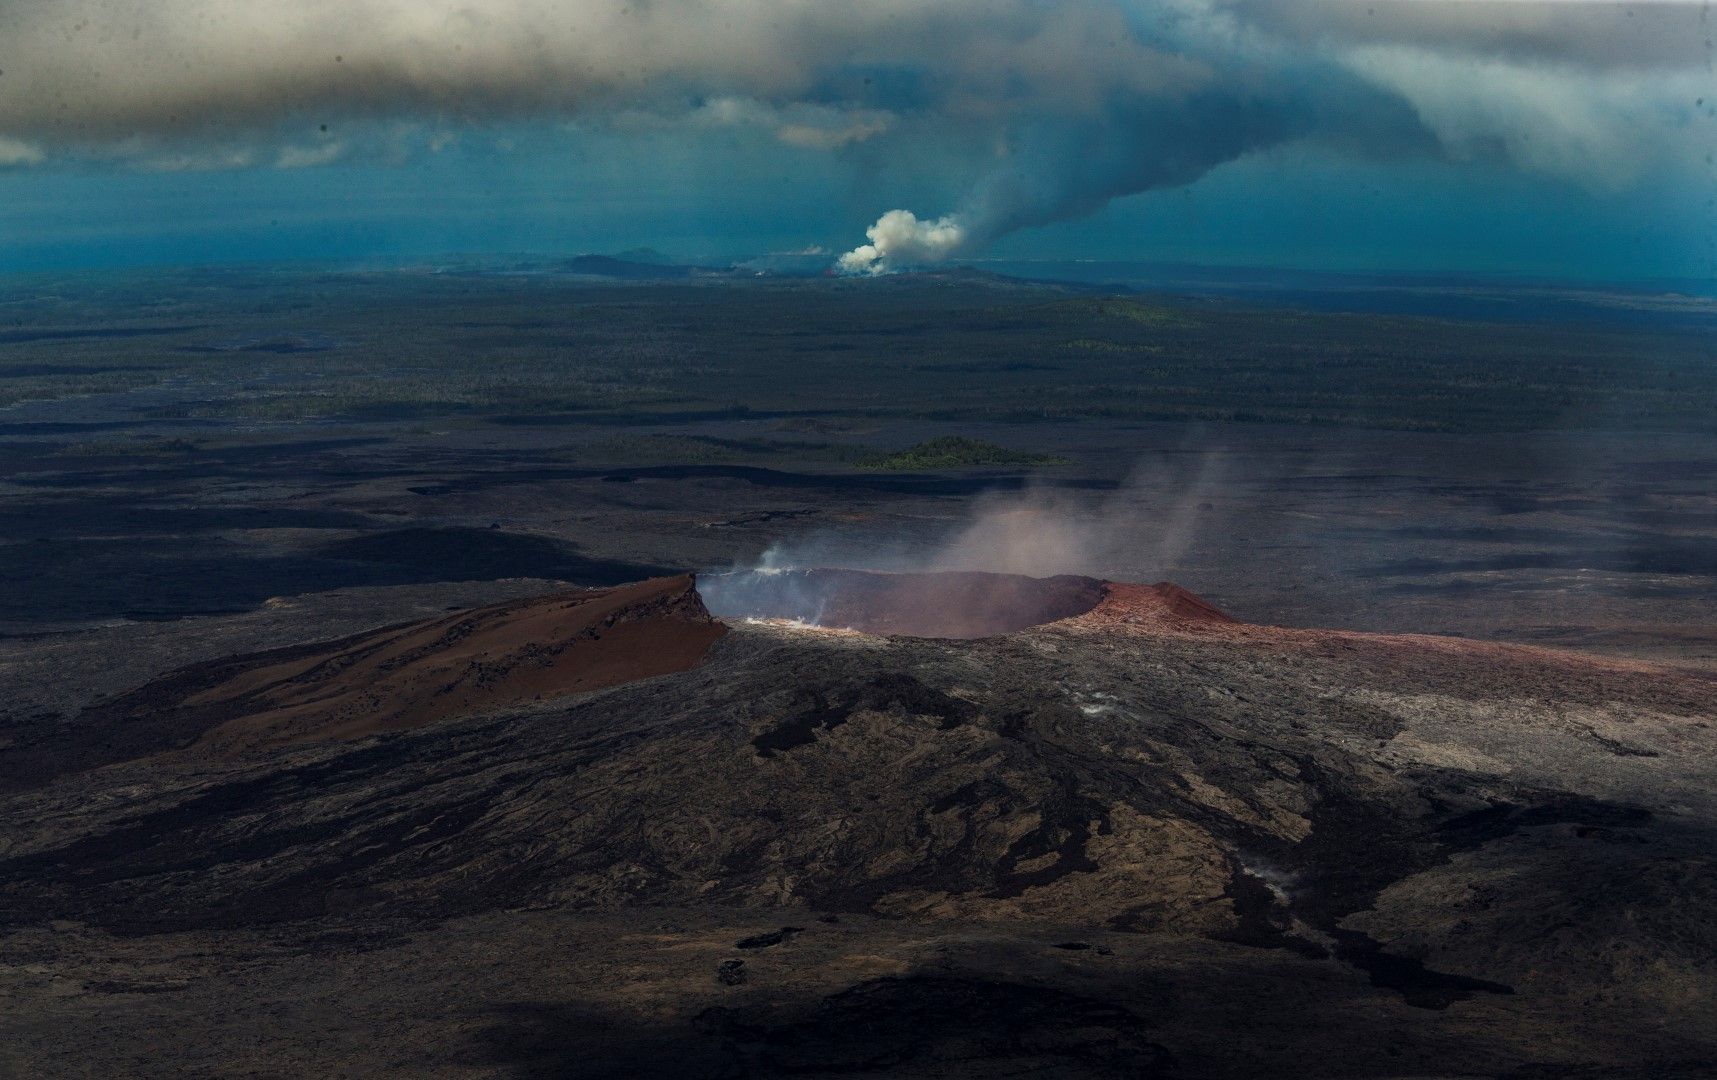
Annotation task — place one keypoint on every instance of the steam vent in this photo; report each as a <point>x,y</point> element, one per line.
<point>931,605</point>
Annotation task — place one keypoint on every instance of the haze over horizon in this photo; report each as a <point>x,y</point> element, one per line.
<point>1552,138</point>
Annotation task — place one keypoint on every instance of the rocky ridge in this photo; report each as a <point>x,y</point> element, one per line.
<point>1447,822</point>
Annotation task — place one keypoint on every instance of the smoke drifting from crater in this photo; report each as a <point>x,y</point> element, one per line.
<point>1148,523</point>
<point>1144,528</point>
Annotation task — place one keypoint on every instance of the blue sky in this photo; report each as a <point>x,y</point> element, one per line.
<point>1569,139</point>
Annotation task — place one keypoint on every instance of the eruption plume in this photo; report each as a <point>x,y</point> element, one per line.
<point>900,238</point>
<point>1072,166</point>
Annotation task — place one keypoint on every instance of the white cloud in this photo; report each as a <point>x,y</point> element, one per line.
<point>309,157</point>
<point>808,126</point>
<point>852,128</point>
<point>17,152</point>
<point>1600,128</point>
<point>207,159</point>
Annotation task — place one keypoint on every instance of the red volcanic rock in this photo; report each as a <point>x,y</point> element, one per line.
<point>1164,604</point>
<point>469,662</point>
<point>1503,669</point>
<point>398,677</point>
<point>464,663</point>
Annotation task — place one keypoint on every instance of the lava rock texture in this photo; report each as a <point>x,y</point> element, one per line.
<point>1097,847</point>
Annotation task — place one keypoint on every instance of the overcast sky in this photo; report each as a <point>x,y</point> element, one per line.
<point>1569,139</point>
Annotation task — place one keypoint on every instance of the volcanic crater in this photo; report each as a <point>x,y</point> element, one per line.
<point>946,604</point>
<point>993,768</point>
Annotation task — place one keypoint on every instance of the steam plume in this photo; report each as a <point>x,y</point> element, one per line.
<point>1142,530</point>
<point>899,238</point>
<point>1145,526</point>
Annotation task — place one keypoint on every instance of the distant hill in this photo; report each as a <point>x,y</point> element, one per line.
<point>610,266</point>
<point>647,255</point>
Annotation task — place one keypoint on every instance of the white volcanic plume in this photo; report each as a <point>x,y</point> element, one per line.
<point>899,239</point>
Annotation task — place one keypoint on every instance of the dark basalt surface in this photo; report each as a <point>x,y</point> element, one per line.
<point>944,1026</point>
<point>1097,847</point>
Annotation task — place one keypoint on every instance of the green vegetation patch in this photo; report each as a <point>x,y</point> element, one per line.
<point>1096,309</point>
<point>957,451</point>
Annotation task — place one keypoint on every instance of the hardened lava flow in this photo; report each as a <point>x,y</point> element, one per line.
<point>1059,826</point>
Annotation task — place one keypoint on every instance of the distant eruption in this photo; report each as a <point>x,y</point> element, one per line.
<point>1070,167</point>
<point>900,238</point>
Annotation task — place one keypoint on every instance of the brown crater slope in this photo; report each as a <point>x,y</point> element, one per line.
<point>470,662</point>
<point>396,678</point>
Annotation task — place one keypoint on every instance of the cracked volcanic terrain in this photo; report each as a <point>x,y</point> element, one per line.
<point>589,834</point>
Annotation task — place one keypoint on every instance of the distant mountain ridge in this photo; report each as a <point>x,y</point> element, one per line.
<point>611,266</point>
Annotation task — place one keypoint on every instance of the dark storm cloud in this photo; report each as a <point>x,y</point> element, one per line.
<point>1059,107</point>
<point>74,71</point>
